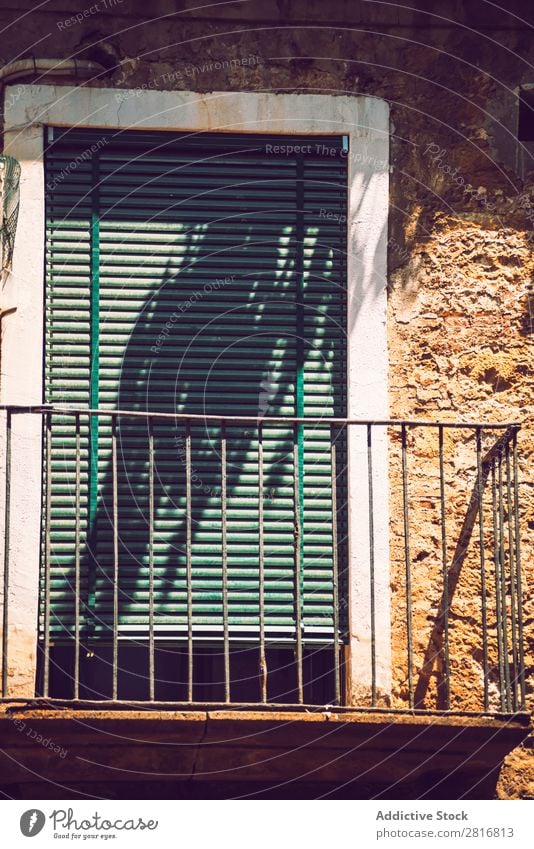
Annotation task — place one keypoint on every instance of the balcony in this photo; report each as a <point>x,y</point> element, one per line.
<point>273,588</point>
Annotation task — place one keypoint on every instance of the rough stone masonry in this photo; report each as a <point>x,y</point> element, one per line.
<point>460,233</point>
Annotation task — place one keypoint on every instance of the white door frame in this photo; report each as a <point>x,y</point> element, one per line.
<point>365,120</point>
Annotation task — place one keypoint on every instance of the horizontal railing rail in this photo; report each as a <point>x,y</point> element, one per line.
<point>201,417</point>
<point>384,572</point>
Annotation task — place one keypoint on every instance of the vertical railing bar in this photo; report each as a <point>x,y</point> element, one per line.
<point>299,407</point>
<point>502,563</point>
<point>445,571</point>
<point>5,585</point>
<point>188,565</point>
<point>522,705</point>
<point>224,532</point>
<point>151,559</point>
<point>407,565</point>
<point>94,391</point>
<point>498,612</point>
<point>115,507</point>
<point>371,561</point>
<point>483,600</point>
<point>77,571</point>
<point>511,549</point>
<point>48,512</point>
<point>298,565</point>
<point>263,658</point>
<point>335,565</point>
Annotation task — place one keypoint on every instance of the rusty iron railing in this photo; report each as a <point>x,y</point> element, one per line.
<point>459,480</point>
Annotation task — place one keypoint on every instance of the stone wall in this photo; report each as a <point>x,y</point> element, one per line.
<point>461,226</point>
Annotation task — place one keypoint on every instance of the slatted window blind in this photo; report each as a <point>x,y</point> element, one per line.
<point>202,274</point>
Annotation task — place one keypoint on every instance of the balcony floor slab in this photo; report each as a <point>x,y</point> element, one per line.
<point>204,751</point>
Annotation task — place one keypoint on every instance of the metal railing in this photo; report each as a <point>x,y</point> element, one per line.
<point>444,600</point>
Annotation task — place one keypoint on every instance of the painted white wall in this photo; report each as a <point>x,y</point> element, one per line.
<point>21,383</point>
<point>368,398</point>
<point>365,120</point>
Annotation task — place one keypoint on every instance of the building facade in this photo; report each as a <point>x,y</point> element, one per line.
<point>265,382</point>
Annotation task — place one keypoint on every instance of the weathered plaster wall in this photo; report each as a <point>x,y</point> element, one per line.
<point>462,220</point>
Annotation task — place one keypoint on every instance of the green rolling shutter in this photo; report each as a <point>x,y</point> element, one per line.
<point>198,273</point>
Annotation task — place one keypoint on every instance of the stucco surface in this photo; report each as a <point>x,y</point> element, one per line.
<point>460,230</point>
